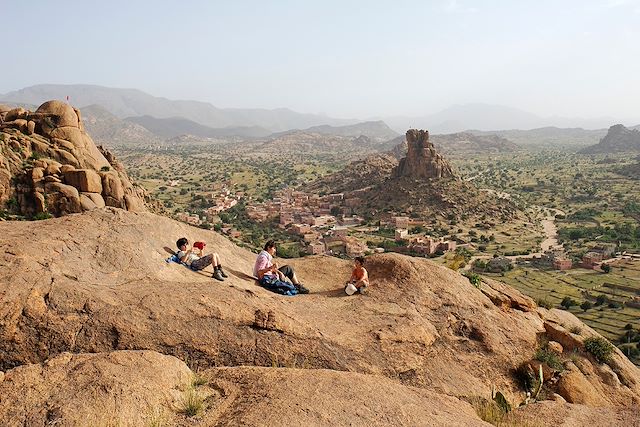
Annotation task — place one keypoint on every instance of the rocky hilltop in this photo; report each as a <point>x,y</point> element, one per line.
<point>421,182</point>
<point>618,139</point>
<point>95,327</point>
<point>50,165</point>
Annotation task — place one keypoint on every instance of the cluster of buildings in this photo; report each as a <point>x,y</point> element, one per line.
<point>320,221</point>
<point>418,244</point>
<point>189,218</point>
<point>592,260</point>
<point>220,200</point>
<point>297,207</point>
<point>323,222</point>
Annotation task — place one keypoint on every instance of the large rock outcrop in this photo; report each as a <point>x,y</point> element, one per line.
<point>422,160</point>
<point>50,165</point>
<point>98,282</point>
<point>619,139</point>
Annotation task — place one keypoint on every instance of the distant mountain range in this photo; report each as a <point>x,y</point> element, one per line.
<point>376,131</point>
<point>171,118</point>
<point>486,117</point>
<point>107,129</point>
<point>125,103</point>
<point>549,137</point>
<point>461,143</point>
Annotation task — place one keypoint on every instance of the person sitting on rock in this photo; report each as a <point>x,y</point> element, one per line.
<point>359,278</point>
<point>200,261</point>
<point>268,272</point>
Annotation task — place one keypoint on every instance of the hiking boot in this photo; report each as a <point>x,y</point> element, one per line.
<point>222,272</point>
<point>301,289</point>
<point>216,275</point>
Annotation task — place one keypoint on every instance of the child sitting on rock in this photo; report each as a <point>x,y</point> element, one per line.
<point>200,261</point>
<point>359,278</point>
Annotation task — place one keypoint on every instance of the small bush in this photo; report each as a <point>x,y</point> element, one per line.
<point>487,410</point>
<point>157,418</point>
<point>550,358</point>
<point>42,215</point>
<point>586,305</point>
<point>192,404</point>
<point>105,169</point>
<point>575,329</point>
<point>599,348</point>
<point>545,303</point>
<point>474,278</point>
<point>568,302</point>
<point>198,380</point>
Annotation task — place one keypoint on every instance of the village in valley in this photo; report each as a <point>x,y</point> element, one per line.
<point>324,224</point>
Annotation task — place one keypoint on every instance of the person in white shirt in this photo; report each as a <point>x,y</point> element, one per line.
<point>265,268</point>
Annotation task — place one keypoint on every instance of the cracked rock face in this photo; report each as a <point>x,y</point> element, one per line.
<point>422,160</point>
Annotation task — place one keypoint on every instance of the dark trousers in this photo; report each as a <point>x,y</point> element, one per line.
<point>288,272</point>
<point>201,263</point>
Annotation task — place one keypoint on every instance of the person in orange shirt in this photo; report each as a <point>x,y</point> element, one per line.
<point>359,277</point>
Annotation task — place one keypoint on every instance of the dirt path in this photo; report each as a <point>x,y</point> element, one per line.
<point>550,230</point>
<point>550,241</point>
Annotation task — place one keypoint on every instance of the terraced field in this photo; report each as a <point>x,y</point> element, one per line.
<point>621,287</point>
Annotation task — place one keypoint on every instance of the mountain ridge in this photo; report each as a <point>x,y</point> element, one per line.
<point>134,102</point>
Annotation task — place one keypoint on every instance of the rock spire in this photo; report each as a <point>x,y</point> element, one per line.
<point>422,160</point>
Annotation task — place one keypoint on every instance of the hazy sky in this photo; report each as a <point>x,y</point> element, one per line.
<point>344,58</point>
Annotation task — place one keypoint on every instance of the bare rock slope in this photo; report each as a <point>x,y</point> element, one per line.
<point>423,336</point>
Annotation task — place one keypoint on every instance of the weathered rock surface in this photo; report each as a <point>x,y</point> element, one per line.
<point>86,180</point>
<point>422,160</point>
<point>563,414</point>
<point>51,142</point>
<point>312,397</point>
<point>124,388</point>
<point>134,388</point>
<point>98,282</point>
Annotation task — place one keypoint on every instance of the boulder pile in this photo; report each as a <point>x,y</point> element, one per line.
<point>50,165</point>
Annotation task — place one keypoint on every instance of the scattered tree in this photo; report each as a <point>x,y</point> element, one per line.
<point>586,305</point>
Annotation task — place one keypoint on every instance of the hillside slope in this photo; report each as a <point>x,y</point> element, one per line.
<point>98,282</point>
<point>106,128</point>
<point>176,126</point>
